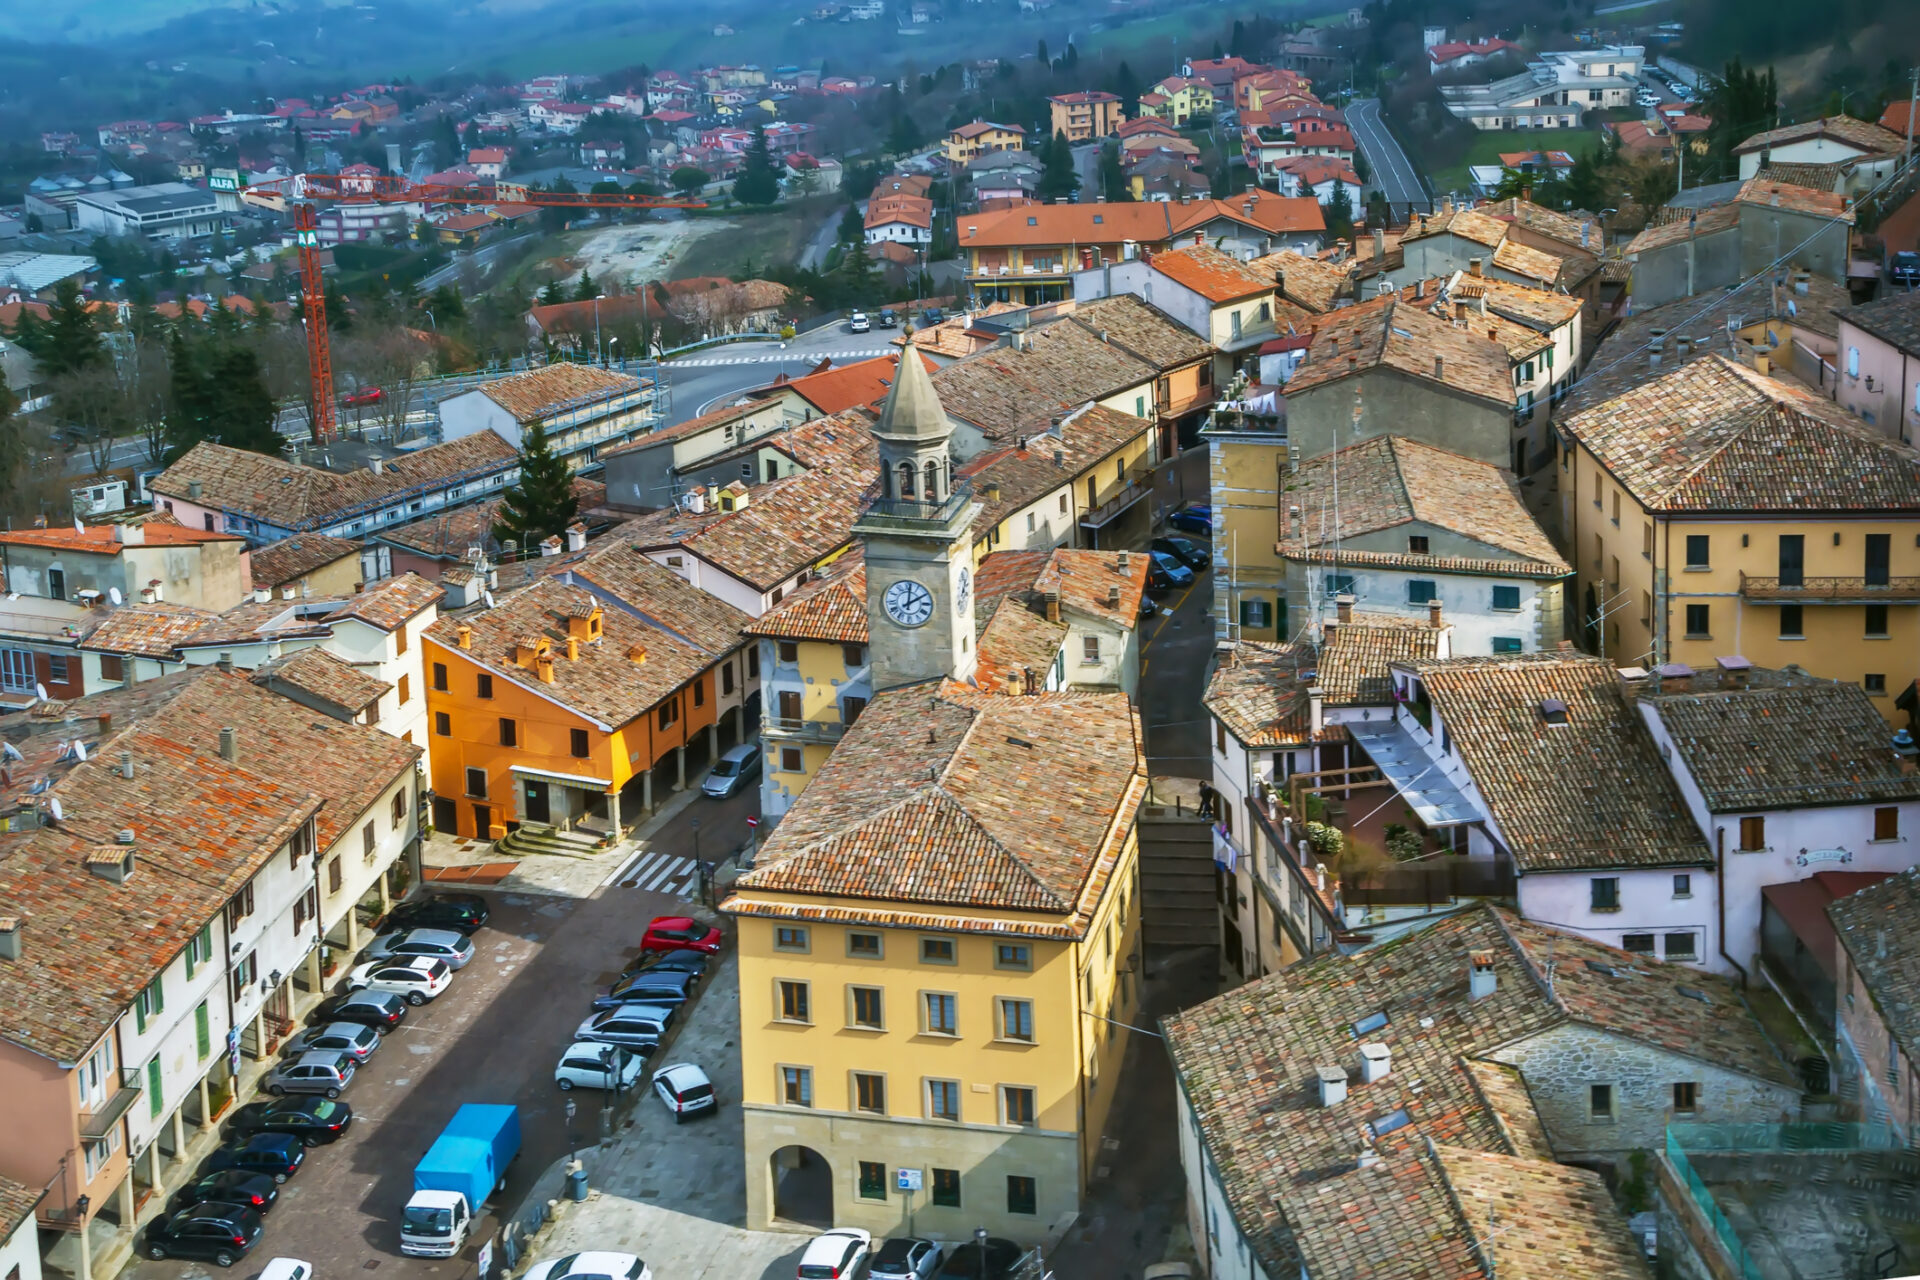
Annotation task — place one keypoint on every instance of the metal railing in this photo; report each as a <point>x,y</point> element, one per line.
<point>1136,488</point>
<point>882,510</point>
<point>1829,590</point>
<point>99,1121</point>
<point>798,730</point>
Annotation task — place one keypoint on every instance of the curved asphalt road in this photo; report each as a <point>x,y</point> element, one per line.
<point>1393,172</point>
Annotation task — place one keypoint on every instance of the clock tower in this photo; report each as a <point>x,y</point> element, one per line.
<point>917,530</point>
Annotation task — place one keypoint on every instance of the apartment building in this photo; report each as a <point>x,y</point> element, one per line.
<point>979,137</point>
<point>1086,116</point>
<point>582,410</point>
<point>1715,248</point>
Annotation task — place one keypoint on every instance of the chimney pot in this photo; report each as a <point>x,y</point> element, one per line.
<point>1050,602</point>
<point>1439,367</point>
<point>1331,1083</point>
<point>1343,608</point>
<point>126,764</point>
<point>465,634</point>
<point>10,927</point>
<point>225,663</point>
<point>1631,681</point>
<point>1126,562</point>
<point>1734,671</point>
<point>1375,1061</point>
<point>1113,597</point>
<point>1476,266</point>
<point>193,490</point>
<point>573,648</point>
<point>1675,677</point>
<point>1482,978</point>
<point>1433,614</point>
<point>229,746</point>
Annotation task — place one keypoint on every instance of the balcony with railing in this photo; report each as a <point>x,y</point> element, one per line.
<point>98,1121</point>
<point>1874,589</point>
<point>881,512</point>
<point>1139,485</point>
<point>794,729</point>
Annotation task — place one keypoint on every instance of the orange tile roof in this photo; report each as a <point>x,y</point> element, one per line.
<point>851,386</point>
<point>284,561</point>
<point>833,607</point>
<point>99,538</point>
<point>1215,276</point>
<point>540,393</point>
<point>1781,195</point>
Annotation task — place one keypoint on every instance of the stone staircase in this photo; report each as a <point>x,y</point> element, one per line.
<point>533,838</point>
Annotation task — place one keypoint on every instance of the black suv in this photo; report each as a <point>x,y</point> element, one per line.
<point>315,1121</point>
<point>463,911</point>
<point>381,1010</point>
<point>277,1155</point>
<point>253,1191</point>
<point>220,1233</point>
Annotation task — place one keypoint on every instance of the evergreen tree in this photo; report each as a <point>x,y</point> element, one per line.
<point>1114,185</point>
<point>1040,52</point>
<point>446,139</point>
<point>688,179</point>
<point>853,228</point>
<point>1584,187</point>
<point>67,341</point>
<point>14,450</point>
<point>1126,85</point>
<point>446,304</point>
<point>339,320</point>
<point>1741,103</point>
<point>1058,176</point>
<point>1237,45</point>
<point>551,295</point>
<point>1072,55</point>
<point>759,181</point>
<point>586,290</point>
<point>219,395</point>
<point>1218,52</point>
<point>859,279</point>
<point>1338,212</point>
<point>541,504</point>
<point>903,135</point>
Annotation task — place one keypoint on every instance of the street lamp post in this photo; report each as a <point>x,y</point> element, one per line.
<point>980,1243</point>
<point>430,319</point>
<point>596,325</point>
<point>612,343</point>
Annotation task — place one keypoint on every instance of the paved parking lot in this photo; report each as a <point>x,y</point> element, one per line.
<point>493,1037</point>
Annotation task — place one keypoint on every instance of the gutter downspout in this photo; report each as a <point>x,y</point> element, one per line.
<point>1720,900</point>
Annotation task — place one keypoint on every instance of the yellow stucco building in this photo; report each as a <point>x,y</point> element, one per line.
<point>1716,510</point>
<point>938,965</point>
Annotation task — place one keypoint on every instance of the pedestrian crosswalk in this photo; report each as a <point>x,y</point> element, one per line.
<point>781,357</point>
<point>657,871</point>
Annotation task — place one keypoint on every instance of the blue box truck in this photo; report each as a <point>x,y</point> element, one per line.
<point>466,1164</point>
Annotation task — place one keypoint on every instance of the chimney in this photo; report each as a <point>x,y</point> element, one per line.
<point>1475,266</point>
<point>1905,753</point>
<point>1433,614</point>
<point>1801,279</point>
<point>1343,608</point>
<point>10,927</point>
<point>111,863</point>
<point>229,747</point>
<point>1734,671</point>
<point>637,655</point>
<point>1675,677</point>
<point>286,593</point>
<point>193,490</point>
<point>1482,978</point>
<point>262,595</point>
<point>1683,347</point>
<point>993,491</point>
<point>543,666</point>
<point>573,648</point>
<point>576,537</point>
<point>1379,246</point>
<point>1439,367</point>
<point>1059,458</point>
<point>1113,597</point>
<point>376,466</point>
<point>1420,289</point>
<point>225,663</point>
<point>1050,603</point>
<point>1632,680</point>
<point>126,764</point>
<point>131,535</point>
<point>465,633</point>
<point>550,546</point>
<point>1375,1061</point>
<point>1331,1083</point>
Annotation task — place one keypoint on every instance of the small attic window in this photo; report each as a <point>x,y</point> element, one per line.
<point>1553,711</point>
<point>1386,1124</point>
<point>1605,970</point>
<point>1033,222</point>
<point>1695,993</point>
<point>1369,1024</point>
<point>1098,219</point>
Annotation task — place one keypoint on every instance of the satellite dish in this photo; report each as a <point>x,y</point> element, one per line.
<point>79,749</point>
<point>1793,308</point>
<point>78,528</point>
<point>10,752</point>
<point>59,814</point>
<point>488,597</point>
<point>39,691</point>
<point>113,594</point>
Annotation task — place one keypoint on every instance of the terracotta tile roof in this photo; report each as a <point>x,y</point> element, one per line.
<point>1085,579</point>
<point>389,604</point>
<point>1009,478</point>
<point>287,561</point>
<point>1880,928</point>
<point>952,338</point>
<point>1540,309</point>
<point>16,1203</point>
<point>1590,793</point>
<point>1084,96</point>
<point>1784,195</point>
<point>1563,1220</point>
<point>1257,692</point>
<point>1143,330</point>
<point>606,683</point>
<point>1314,284</point>
<point>1898,118</point>
<point>1467,224</point>
<point>1522,342</point>
<point>939,797</point>
<point>1390,481</point>
<point>1014,638</point>
<point>1404,338</point>
<point>1860,134</point>
<point>98,539</point>
<point>980,127</point>
<point>1147,223</point>
<point>1814,177</point>
<point>832,607</point>
<point>321,674</point>
<point>1894,318</point>
<point>1009,391</point>
<point>1575,233</point>
<point>1246,1061</point>
<point>1259,208</point>
<point>1708,221</point>
<point>540,393</point>
<point>288,495</point>
<point>1355,657</point>
<point>707,421</point>
<point>1215,276</point>
<point>1009,620</point>
<point>1795,746</point>
<point>1624,359</point>
<point>1525,260</point>
<point>146,630</point>
<point>1713,435</point>
<point>659,596</point>
<point>914,211</point>
<point>1504,1091</point>
<point>857,385</point>
<point>259,622</point>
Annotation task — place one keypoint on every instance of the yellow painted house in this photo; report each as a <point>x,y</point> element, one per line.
<point>1717,511</point>
<point>981,136</point>
<point>938,961</point>
<point>1178,99</point>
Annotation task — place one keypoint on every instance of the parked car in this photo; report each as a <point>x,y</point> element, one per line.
<point>1905,268</point>
<point>216,1232</point>
<point>277,1155</point>
<point>416,979</point>
<point>636,1026</point>
<point>889,318</point>
<point>441,944</point>
<point>589,1065</point>
<point>317,1072</point>
<point>964,1263</point>
<point>604,1266</point>
<point>381,1010</point>
<point>932,315</point>
<point>672,933</point>
<point>1164,571</point>
<point>255,1191</point>
<point>731,772</point>
<point>905,1258</point>
<point>355,1039</point>
<point>683,961</point>
<point>367,395</point>
<point>648,988</point>
<point>1147,607</point>
<point>859,323</point>
<point>315,1121</point>
<point>1185,550</point>
<point>1195,518</point>
<point>463,911</point>
<point>685,1089</point>
<point>836,1254</point>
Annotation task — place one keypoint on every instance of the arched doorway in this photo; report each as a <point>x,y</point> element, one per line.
<point>802,1186</point>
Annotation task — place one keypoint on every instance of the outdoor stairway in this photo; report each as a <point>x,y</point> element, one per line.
<point>532,837</point>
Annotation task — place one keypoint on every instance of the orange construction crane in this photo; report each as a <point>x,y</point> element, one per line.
<point>303,189</point>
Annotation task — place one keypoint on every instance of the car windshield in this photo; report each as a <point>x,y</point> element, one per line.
<point>726,768</point>
<point>423,1221</point>
<point>324,1109</point>
<point>695,1092</point>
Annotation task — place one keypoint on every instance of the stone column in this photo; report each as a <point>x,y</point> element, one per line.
<point>179,1134</point>
<point>680,768</point>
<point>386,894</point>
<point>206,1104</point>
<point>646,790</point>
<point>259,1036</point>
<point>85,1244</point>
<point>313,968</point>
<point>153,1166</point>
<point>713,744</point>
<point>125,1194</point>
<point>353,931</point>
<point>613,812</point>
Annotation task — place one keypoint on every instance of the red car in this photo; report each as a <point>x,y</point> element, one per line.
<point>372,395</point>
<point>672,933</point>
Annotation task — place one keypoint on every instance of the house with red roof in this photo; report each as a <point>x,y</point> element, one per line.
<point>1452,55</point>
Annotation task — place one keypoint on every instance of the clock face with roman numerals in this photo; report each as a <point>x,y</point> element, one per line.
<point>908,603</point>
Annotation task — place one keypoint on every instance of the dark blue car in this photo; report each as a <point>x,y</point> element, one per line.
<point>649,987</point>
<point>1164,571</point>
<point>1197,518</point>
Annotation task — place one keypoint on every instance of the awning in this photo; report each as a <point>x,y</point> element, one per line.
<point>99,1122</point>
<point>565,779</point>
<point>1421,783</point>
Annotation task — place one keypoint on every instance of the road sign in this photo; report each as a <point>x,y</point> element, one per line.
<point>485,1261</point>
<point>907,1179</point>
<point>753,822</point>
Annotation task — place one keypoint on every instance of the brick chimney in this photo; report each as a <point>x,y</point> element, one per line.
<point>1433,614</point>
<point>1343,608</point>
<point>1482,978</point>
<point>1439,367</point>
<point>1675,677</point>
<point>1632,680</point>
<point>1050,604</point>
<point>1476,266</point>
<point>1734,671</point>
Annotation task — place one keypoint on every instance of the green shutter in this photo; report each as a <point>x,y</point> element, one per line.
<point>140,1013</point>
<point>159,992</point>
<point>202,1032</point>
<point>153,1087</point>
<point>1280,619</point>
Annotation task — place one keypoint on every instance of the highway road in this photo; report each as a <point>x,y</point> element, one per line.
<point>1393,173</point>
<point>703,380</point>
